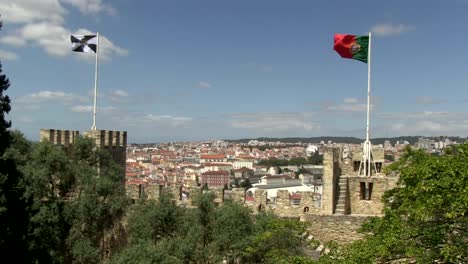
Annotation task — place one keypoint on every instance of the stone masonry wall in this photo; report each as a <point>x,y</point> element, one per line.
<point>374,206</point>
<point>113,141</point>
<point>339,228</point>
<point>59,137</point>
<point>331,171</point>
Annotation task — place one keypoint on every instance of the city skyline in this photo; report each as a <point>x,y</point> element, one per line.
<point>228,70</point>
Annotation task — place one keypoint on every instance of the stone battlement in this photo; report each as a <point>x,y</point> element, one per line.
<point>113,141</point>
<point>59,137</point>
<point>108,138</point>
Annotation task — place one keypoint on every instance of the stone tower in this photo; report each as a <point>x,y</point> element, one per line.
<point>113,141</point>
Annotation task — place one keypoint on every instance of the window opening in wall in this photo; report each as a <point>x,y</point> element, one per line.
<point>366,190</point>
<point>356,165</point>
<point>363,190</point>
<point>378,165</point>
<point>141,190</point>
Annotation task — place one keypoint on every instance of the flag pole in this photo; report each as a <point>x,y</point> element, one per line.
<point>95,83</point>
<point>367,144</point>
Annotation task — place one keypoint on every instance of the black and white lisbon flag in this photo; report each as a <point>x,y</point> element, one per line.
<point>87,43</point>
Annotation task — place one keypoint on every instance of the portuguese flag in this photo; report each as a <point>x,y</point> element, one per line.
<point>351,47</point>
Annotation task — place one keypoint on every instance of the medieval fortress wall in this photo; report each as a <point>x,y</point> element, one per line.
<point>113,141</point>
<point>346,202</point>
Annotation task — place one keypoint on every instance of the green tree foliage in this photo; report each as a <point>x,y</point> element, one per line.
<point>13,216</point>
<point>232,224</point>
<point>76,196</point>
<point>207,233</point>
<point>151,221</point>
<point>425,218</point>
<point>276,240</point>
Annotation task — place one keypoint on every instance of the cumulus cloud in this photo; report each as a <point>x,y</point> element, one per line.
<point>41,24</point>
<point>29,11</point>
<point>13,40</point>
<point>274,122</point>
<point>91,6</point>
<point>387,29</point>
<point>7,55</point>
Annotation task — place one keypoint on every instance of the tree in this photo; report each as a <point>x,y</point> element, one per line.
<point>425,217</point>
<point>98,201</point>
<point>232,224</point>
<point>151,221</point>
<point>13,217</point>
<point>275,240</point>
<point>72,205</point>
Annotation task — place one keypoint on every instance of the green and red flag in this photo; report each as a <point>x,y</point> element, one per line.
<point>351,47</point>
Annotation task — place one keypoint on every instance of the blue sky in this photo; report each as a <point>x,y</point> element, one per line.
<point>211,69</point>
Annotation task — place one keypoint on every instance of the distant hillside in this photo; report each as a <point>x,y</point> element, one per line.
<point>350,140</point>
<point>347,140</point>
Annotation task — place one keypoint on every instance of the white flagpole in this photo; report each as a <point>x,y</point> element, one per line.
<point>368,143</point>
<point>95,83</point>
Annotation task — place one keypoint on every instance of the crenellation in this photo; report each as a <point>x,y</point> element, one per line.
<point>58,136</point>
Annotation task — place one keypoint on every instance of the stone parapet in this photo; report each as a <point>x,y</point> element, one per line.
<point>59,136</point>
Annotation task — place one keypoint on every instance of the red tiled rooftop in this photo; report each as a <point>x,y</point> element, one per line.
<point>207,164</point>
<point>212,156</point>
<point>216,173</point>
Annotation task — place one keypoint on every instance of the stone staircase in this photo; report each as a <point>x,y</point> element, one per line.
<point>341,193</point>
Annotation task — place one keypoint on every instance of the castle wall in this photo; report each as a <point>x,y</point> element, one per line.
<point>58,136</point>
<point>331,171</point>
<point>374,206</point>
<point>339,228</point>
<point>113,141</point>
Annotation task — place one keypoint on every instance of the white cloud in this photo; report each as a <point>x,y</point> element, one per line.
<point>152,120</point>
<point>350,105</point>
<point>41,25</point>
<point>116,96</point>
<point>351,100</point>
<point>29,11</point>
<point>120,93</point>
<point>431,128</point>
<point>274,122</point>
<point>91,6</point>
<point>14,41</point>
<point>46,96</point>
<point>424,115</point>
<point>89,109</point>
<point>7,55</point>
<point>387,29</point>
<point>428,123</point>
<point>204,84</point>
